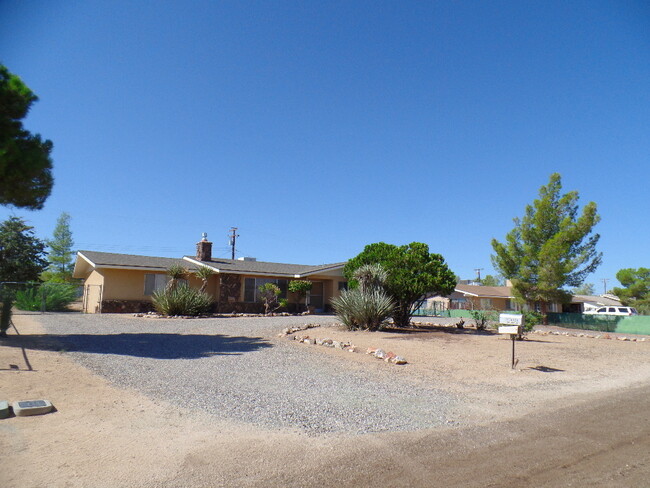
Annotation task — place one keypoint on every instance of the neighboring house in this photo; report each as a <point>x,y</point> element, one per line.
<point>585,303</point>
<point>500,298</point>
<point>125,283</point>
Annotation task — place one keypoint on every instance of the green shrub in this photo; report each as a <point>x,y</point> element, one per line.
<point>181,300</point>
<point>483,318</point>
<point>57,297</point>
<point>363,309</point>
<point>531,319</point>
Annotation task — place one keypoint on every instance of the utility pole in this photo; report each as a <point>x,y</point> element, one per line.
<point>478,271</point>
<point>233,239</point>
<point>605,280</point>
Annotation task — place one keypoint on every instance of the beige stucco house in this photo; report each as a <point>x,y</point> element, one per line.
<point>500,298</point>
<point>125,283</point>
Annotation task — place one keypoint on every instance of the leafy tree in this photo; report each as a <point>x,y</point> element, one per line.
<point>550,247</point>
<point>412,273</point>
<point>584,289</point>
<point>636,288</point>
<point>21,259</point>
<point>269,293</point>
<point>491,280</point>
<point>60,255</point>
<point>300,287</point>
<point>25,164</point>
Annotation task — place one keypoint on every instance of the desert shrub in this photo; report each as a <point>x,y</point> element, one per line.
<point>300,287</point>
<point>483,318</point>
<point>363,309</point>
<point>181,300</point>
<point>57,296</point>
<point>269,293</point>
<point>531,319</point>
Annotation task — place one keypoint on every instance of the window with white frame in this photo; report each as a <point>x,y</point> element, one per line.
<point>154,282</point>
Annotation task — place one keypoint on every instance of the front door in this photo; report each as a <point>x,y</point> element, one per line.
<point>316,295</point>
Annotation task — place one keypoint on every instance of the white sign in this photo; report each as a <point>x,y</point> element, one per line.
<point>511,319</point>
<point>509,329</point>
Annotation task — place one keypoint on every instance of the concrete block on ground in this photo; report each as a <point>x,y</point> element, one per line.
<point>4,409</point>
<point>31,407</point>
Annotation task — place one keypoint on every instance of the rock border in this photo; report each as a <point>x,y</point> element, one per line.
<point>389,357</point>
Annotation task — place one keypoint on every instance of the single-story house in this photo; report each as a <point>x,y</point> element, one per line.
<point>125,283</point>
<point>477,297</point>
<point>584,303</point>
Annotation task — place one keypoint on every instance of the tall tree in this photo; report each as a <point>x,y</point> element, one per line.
<point>412,273</point>
<point>584,289</point>
<point>636,288</point>
<point>491,280</point>
<point>21,259</point>
<point>60,254</point>
<point>551,247</point>
<point>25,164</point>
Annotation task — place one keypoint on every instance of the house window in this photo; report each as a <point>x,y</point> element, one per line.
<point>252,285</point>
<point>343,285</point>
<point>486,303</point>
<point>154,282</point>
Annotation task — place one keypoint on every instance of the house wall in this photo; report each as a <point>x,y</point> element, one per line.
<point>93,292</point>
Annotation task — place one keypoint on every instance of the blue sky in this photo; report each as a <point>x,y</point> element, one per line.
<point>319,127</point>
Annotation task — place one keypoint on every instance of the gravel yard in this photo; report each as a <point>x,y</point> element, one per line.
<point>239,370</point>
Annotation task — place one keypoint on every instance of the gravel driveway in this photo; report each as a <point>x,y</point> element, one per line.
<point>238,369</point>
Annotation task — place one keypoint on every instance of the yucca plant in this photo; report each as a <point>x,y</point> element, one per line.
<point>175,273</point>
<point>204,273</point>
<point>182,300</point>
<point>359,309</point>
<point>371,277</point>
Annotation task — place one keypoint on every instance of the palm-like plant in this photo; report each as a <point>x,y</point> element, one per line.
<point>175,273</point>
<point>371,277</point>
<point>204,273</point>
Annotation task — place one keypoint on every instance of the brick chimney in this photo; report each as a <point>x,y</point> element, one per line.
<point>204,249</point>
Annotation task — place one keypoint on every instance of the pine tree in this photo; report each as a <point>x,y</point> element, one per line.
<point>21,259</point>
<point>25,164</point>
<point>551,247</point>
<point>60,255</point>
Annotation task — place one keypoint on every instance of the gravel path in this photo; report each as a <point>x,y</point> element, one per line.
<point>238,369</point>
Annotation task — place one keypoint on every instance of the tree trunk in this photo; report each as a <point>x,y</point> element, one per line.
<point>402,316</point>
<point>544,313</point>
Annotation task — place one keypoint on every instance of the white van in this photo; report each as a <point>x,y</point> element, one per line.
<point>612,311</point>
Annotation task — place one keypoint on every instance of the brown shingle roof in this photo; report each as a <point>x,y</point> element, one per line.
<point>486,291</point>
<point>131,261</point>
<point>267,268</point>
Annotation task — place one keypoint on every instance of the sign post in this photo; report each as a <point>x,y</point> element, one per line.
<point>512,324</point>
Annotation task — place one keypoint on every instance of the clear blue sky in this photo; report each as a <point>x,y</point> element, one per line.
<point>319,127</point>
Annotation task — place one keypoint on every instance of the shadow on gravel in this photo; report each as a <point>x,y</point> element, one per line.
<point>156,346</point>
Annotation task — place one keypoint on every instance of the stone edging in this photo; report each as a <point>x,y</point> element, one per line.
<point>591,336</point>
<point>389,357</point>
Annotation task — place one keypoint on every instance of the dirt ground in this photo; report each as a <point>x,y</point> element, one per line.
<point>573,413</point>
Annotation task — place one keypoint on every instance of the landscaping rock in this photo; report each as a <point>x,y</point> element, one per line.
<point>31,407</point>
<point>4,409</point>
